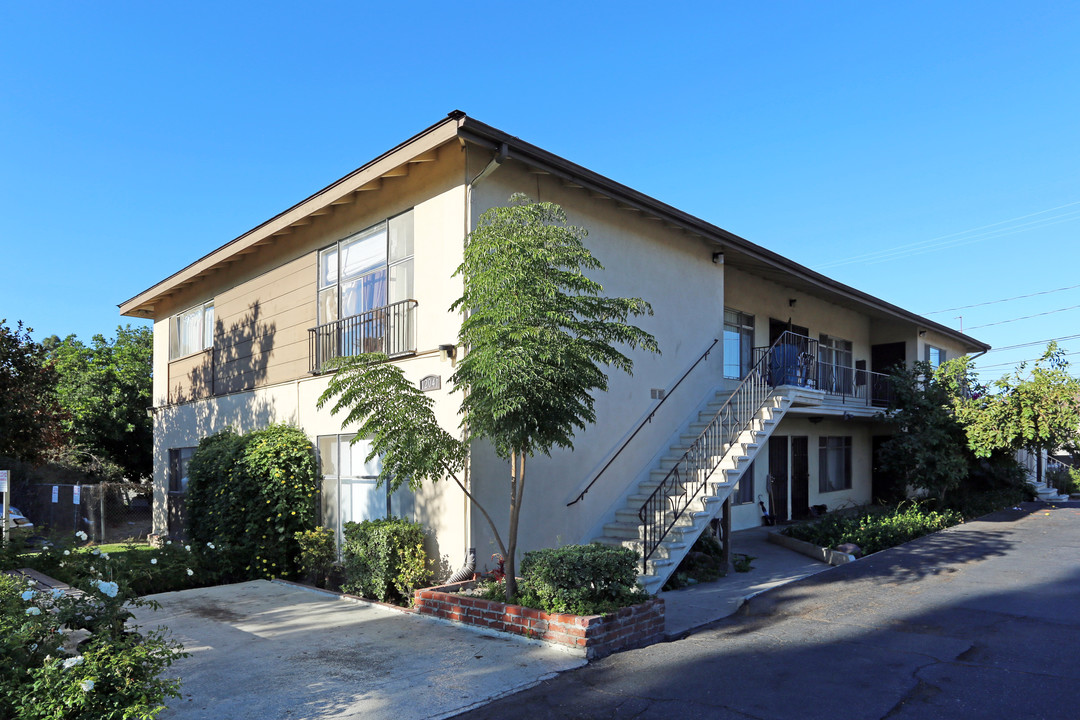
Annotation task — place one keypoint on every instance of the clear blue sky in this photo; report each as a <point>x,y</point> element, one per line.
<point>944,137</point>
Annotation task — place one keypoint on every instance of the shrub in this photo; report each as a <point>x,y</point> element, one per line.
<point>1064,479</point>
<point>250,495</point>
<point>384,559</point>
<point>580,579</point>
<point>876,528</point>
<point>317,554</point>
<point>114,672</point>
<point>148,570</point>
<point>704,563</point>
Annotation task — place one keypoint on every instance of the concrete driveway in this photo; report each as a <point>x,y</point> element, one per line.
<point>264,650</point>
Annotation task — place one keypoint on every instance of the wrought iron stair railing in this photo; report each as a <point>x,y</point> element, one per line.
<point>689,477</point>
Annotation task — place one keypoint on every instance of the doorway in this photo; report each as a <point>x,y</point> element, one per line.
<point>779,327</point>
<point>800,477</point>
<point>780,480</point>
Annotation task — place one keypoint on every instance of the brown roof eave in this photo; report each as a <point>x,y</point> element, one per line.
<point>480,133</point>
<point>139,305</point>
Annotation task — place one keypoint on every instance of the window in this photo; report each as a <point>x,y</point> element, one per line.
<point>738,343</point>
<point>935,356</point>
<point>178,468</point>
<point>835,360</point>
<point>744,489</point>
<point>191,331</point>
<point>345,465</point>
<point>834,464</point>
<point>368,270</point>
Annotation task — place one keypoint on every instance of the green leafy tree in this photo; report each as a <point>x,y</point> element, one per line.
<point>537,332</point>
<point>1036,411</point>
<point>930,449</point>
<point>29,413</point>
<point>104,389</point>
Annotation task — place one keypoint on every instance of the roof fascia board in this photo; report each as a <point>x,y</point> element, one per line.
<point>428,139</point>
<point>490,137</point>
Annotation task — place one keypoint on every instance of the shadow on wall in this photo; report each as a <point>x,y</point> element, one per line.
<point>237,362</point>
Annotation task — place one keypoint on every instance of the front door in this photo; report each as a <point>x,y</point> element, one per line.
<point>883,359</point>
<point>800,477</point>
<point>779,327</point>
<point>778,473</point>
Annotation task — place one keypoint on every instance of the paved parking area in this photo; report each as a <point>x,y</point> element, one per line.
<point>978,621</point>
<point>262,650</point>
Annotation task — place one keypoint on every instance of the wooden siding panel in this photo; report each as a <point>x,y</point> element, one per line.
<point>190,378</point>
<point>263,323</point>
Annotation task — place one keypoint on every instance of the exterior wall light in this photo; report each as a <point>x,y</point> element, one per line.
<point>447,352</point>
<point>718,257</point>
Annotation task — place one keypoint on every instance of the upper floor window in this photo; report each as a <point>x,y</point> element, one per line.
<point>934,355</point>
<point>191,331</point>
<point>835,363</point>
<point>738,343</point>
<point>368,270</point>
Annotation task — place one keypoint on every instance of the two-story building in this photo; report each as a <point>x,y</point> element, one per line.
<point>769,390</point>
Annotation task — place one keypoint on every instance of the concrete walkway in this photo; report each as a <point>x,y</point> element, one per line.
<point>772,566</point>
<point>265,651</point>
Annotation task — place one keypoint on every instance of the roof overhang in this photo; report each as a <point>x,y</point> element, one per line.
<point>419,148</point>
<point>422,147</point>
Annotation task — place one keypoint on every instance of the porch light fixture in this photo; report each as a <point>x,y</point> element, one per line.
<point>718,257</point>
<point>922,333</point>
<point>447,352</point>
<point>791,302</point>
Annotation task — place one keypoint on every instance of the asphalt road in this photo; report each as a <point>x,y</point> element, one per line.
<point>979,621</point>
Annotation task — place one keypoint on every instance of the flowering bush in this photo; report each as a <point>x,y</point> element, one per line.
<point>251,494</point>
<point>75,655</point>
<point>146,569</point>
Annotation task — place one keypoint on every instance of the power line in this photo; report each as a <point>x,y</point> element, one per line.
<point>1036,342</point>
<point>994,302</point>
<point>957,238</point>
<point>987,367</point>
<point>1026,317</point>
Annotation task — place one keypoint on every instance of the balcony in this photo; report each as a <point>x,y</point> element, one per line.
<point>794,361</point>
<point>390,330</point>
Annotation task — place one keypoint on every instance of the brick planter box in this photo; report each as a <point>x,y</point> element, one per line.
<point>592,636</point>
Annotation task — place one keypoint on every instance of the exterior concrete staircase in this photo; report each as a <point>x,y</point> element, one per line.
<point>720,473</point>
<point>1046,493</point>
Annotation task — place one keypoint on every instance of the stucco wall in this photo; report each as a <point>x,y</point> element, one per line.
<point>675,273</point>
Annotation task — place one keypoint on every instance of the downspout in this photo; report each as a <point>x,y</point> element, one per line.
<point>497,159</point>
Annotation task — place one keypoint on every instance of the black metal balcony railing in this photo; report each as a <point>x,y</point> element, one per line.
<point>795,361</point>
<point>390,330</point>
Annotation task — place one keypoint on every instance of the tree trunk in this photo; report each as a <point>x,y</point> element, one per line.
<point>517,485</point>
<point>1039,465</point>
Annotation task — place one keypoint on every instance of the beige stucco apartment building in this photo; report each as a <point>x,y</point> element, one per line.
<point>366,264</point>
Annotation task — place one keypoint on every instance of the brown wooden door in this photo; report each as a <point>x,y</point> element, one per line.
<point>800,477</point>
<point>778,471</point>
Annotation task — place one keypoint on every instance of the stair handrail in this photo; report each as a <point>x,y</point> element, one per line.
<point>644,422</point>
<point>731,419</point>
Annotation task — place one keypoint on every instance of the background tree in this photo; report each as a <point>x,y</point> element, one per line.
<point>1036,411</point>
<point>929,451</point>
<point>536,333</point>
<point>29,412</point>
<point>104,389</point>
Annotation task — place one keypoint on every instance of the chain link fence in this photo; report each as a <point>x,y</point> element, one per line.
<point>106,512</point>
